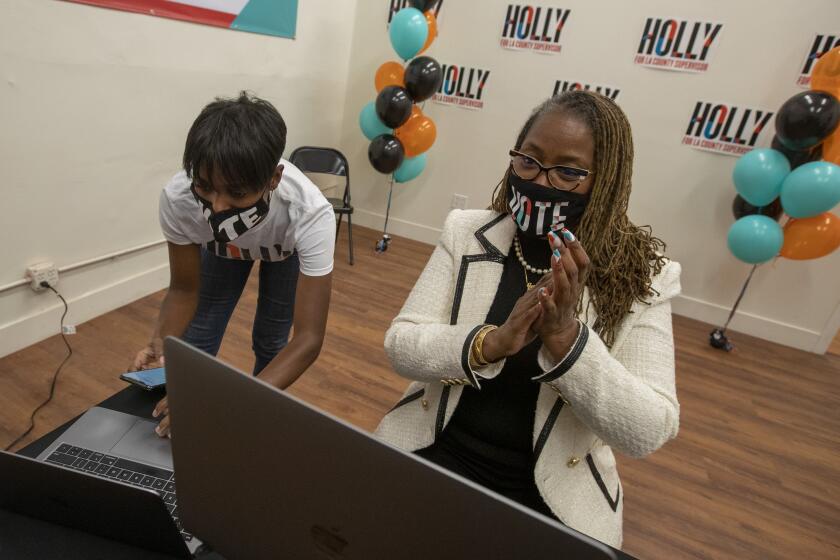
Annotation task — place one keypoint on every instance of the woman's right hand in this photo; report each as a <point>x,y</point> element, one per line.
<point>516,332</point>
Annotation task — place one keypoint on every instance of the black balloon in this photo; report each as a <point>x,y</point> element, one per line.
<point>741,208</point>
<point>393,106</point>
<point>423,5</point>
<point>806,119</point>
<point>423,77</point>
<point>386,153</point>
<point>794,157</point>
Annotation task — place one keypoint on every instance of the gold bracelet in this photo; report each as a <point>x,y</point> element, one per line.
<point>475,359</point>
<point>478,345</point>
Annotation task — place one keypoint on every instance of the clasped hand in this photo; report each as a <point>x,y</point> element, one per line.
<point>548,310</point>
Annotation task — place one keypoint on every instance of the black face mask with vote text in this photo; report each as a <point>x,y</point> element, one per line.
<point>537,209</point>
<point>229,224</point>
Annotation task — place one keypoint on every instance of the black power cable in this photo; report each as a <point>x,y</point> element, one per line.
<point>55,375</point>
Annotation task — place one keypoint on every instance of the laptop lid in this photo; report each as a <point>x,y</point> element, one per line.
<point>261,474</point>
<point>106,508</point>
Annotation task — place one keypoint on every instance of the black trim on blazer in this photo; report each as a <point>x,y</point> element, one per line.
<point>465,356</point>
<point>601,485</point>
<point>491,254</point>
<point>408,398</point>
<point>441,413</point>
<point>546,429</point>
<point>570,360</point>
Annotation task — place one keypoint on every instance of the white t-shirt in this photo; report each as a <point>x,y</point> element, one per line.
<point>299,219</point>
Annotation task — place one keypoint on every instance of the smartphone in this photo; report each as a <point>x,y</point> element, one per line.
<point>148,379</point>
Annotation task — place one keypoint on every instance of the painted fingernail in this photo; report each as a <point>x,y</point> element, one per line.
<point>542,291</point>
<point>557,254</point>
<point>569,236</point>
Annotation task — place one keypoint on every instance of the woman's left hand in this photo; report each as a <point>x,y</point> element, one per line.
<point>557,326</point>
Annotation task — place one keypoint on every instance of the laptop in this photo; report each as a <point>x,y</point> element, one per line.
<point>111,509</point>
<point>124,448</point>
<point>262,474</point>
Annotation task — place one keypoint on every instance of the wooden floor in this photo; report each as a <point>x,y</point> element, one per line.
<point>754,473</point>
<point>834,348</point>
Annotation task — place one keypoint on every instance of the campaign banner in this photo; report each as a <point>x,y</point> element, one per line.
<point>821,44</point>
<point>725,128</point>
<point>533,28</point>
<point>569,85</point>
<point>269,17</point>
<point>462,86</point>
<point>677,44</point>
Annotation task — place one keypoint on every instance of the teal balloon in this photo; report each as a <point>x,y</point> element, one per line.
<point>811,189</point>
<point>370,124</point>
<point>408,32</point>
<point>759,174</point>
<point>755,239</point>
<point>410,169</point>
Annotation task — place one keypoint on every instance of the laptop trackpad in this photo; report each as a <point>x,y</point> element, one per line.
<point>142,444</point>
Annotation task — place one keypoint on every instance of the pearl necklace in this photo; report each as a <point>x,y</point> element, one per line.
<point>525,265</point>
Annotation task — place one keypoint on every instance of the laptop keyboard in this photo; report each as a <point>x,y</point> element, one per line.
<point>161,481</point>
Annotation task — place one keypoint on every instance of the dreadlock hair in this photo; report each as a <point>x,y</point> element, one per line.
<point>624,256</point>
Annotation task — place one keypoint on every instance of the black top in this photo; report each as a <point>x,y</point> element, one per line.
<point>489,438</point>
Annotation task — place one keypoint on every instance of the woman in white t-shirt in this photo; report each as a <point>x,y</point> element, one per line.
<point>237,201</point>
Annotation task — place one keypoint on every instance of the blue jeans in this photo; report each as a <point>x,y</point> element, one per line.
<point>222,282</point>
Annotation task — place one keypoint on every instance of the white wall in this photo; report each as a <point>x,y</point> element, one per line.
<point>683,193</point>
<point>95,105</point>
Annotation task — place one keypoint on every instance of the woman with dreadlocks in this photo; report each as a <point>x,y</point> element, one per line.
<point>539,334</point>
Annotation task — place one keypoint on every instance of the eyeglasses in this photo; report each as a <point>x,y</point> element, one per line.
<point>560,177</point>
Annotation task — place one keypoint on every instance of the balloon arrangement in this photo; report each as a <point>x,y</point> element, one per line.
<point>790,178</point>
<point>399,132</point>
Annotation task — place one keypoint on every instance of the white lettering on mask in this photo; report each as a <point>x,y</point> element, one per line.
<point>541,206</point>
<point>515,203</point>
<point>227,225</point>
<point>524,218</point>
<point>557,218</point>
<point>247,217</point>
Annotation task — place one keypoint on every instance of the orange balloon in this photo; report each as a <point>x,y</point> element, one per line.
<point>431,20</point>
<point>417,134</point>
<point>390,74</point>
<point>811,238</point>
<point>831,148</point>
<point>826,73</point>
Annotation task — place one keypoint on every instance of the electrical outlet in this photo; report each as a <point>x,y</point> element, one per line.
<point>459,201</point>
<point>42,272</point>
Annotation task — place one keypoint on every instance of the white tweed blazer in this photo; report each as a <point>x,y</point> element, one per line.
<point>597,398</point>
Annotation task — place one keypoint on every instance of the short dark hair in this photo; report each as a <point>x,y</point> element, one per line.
<point>242,138</point>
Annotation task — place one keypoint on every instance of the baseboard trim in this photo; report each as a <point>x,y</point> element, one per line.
<point>27,330</point>
<point>748,323</point>
<point>396,226</point>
